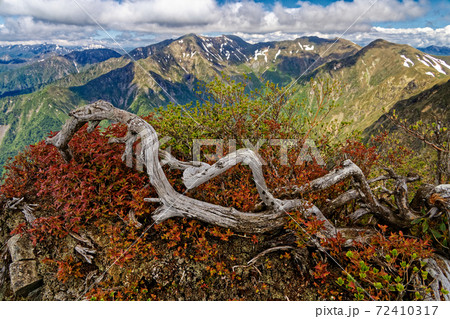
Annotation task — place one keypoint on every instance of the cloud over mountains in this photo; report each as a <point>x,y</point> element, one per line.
<point>79,20</point>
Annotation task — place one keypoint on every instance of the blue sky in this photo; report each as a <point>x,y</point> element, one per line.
<point>437,15</point>
<point>133,23</point>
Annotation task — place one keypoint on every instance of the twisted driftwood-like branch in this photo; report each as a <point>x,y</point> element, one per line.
<point>174,204</point>
<point>27,209</point>
<point>196,173</point>
<point>439,268</point>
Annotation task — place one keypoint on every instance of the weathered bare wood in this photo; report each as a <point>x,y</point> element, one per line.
<point>309,210</point>
<point>27,209</point>
<point>268,251</point>
<point>341,200</point>
<point>133,220</point>
<point>13,203</point>
<point>197,173</point>
<point>401,200</point>
<point>440,197</point>
<point>420,198</point>
<point>86,253</point>
<point>194,177</point>
<point>439,268</point>
<point>296,190</point>
<point>173,204</point>
<point>81,238</point>
<point>378,179</point>
<point>168,159</point>
<point>92,126</point>
<point>152,200</point>
<point>373,205</point>
<point>357,214</point>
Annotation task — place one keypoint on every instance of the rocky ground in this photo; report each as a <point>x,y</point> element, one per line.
<point>54,270</point>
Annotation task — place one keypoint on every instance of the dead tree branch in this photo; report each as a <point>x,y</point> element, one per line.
<point>273,215</point>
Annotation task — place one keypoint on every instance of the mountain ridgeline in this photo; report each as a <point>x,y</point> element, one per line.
<point>32,76</point>
<point>36,95</point>
<point>378,76</point>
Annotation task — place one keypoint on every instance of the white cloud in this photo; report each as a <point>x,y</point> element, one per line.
<point>26,28</point>
<point>339,15</point>
<point>125,15</point>
<point>417,37</point>
<point>65,19</point>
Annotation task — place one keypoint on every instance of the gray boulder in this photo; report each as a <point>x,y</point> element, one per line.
<point>24,277</point>
<point>20,248</point>
<point>23,269</point>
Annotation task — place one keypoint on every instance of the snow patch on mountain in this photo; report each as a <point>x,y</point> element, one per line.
<point>76,66</point>
<point>205,47</point>
<point>437,63</point>
<point>276,55</point>
<point>407,61</point>
<point>238,50</point>
<point>261,52</point>
<point>420,60</point>
<point>305,47</point>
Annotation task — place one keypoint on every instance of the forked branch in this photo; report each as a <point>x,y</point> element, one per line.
<point>273,216</point>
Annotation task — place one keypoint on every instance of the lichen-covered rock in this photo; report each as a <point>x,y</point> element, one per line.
<point>20,248</point>
<point>24,277</point>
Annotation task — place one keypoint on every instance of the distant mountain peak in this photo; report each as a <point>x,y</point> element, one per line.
<point>379,43</point>
<point>91,56</point>
<point>436,50</point>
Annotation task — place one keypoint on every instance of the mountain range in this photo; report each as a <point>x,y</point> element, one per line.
<point>378,76</point>
<point>37,93</point>
<point>18,54</point>
<point>436,50</point>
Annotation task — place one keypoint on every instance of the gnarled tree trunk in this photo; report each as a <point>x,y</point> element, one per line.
<point>172,204</point>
